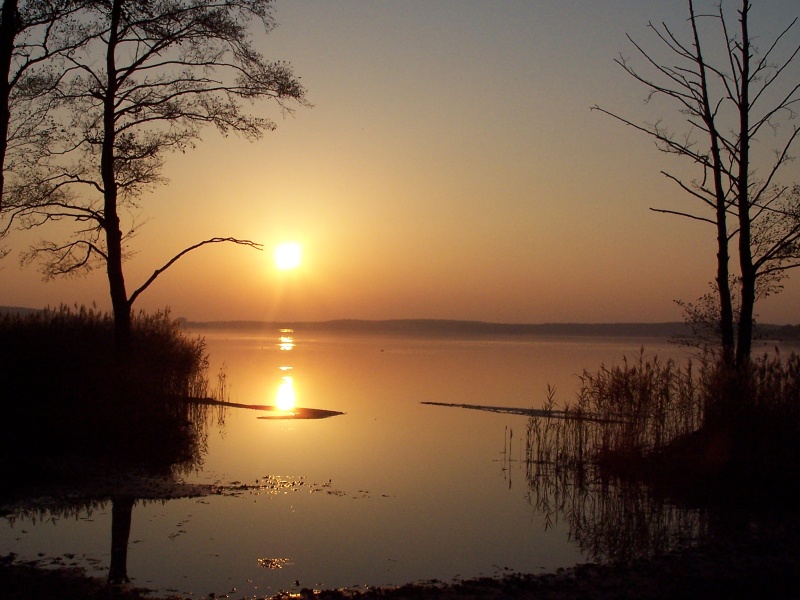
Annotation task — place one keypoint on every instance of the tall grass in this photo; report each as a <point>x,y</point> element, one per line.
<point>649,430</point>
<point>66,393</point>
<point>626,410</point>
<point>649,415</point>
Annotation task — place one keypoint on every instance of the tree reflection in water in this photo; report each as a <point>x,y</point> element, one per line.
<point>128,483</point>
<point>121,515</point>
<point>185,457</point>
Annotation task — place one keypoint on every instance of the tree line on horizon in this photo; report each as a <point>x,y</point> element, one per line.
<point>680,332</point>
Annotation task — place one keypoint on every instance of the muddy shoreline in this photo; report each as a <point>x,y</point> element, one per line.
<point>761,562</point>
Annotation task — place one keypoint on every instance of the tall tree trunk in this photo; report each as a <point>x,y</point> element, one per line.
<point>111,223</point>
<point>745,337</point>
<point>8,32</point>
<point>746,321</point>
<point>726,331</point>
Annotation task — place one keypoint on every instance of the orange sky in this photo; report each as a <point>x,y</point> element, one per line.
<point>450,168</point>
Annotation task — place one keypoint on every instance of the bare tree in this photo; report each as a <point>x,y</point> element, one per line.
<point>157,73</point>
<point>728,105</point>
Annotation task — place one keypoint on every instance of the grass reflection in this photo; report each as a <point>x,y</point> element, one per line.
<point>610,520</point>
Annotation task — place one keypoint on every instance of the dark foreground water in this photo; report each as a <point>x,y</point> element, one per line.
<point>393,491</point>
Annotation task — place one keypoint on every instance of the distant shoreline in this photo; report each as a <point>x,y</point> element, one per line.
<point>454,328</point>
<point>445,327</point>
<point>458,328</point>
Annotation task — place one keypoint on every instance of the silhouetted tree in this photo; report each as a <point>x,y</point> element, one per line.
<point>35,36</point>
<point>729,103</point>
<point>155,75</point>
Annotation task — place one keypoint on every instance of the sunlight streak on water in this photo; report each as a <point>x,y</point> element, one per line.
<point>286,340</point>
<point>285,398</point>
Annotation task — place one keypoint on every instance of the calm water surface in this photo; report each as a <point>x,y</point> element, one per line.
<point>391,492</point>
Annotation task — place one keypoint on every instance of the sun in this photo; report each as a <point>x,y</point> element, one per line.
<point>288,256</point>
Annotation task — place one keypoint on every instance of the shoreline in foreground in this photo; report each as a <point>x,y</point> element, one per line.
<point>761,562</point>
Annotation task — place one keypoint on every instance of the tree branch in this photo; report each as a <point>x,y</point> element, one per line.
<point>185,251</point>
<point>683,214</point>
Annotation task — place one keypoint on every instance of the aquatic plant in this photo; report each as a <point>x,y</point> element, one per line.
<point>627,409</point>
<point>659,421</point>
<point>642,460</point>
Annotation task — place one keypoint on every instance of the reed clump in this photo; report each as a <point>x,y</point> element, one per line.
<point>67,393</point>
<point>676,426</point>
<point>653,455</point>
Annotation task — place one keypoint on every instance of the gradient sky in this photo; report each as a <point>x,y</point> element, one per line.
<point>450,168</point>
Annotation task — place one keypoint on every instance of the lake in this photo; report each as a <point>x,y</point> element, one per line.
<point>393,491</point>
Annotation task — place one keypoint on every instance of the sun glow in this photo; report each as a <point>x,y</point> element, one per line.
<point>284,400</point>
<point>288,256</point>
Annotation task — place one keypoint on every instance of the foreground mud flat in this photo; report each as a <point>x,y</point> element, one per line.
<point>758,563</point>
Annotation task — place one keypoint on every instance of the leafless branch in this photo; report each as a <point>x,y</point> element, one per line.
<point>683,214</point>
<point>185,251</point>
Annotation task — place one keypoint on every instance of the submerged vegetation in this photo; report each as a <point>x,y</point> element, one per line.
<point>70,399</point>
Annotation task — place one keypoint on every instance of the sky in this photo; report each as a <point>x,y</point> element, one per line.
<point>450,167</point>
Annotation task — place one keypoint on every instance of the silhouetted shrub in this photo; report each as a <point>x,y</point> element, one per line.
<point>66,392</point>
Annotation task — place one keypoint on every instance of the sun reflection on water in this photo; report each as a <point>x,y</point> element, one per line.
<point>286,340</point>
<point>284,399</point>
<point>273,563</point>
<point>285,396</point>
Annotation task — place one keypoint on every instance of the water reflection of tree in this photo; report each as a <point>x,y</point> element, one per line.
<point>122,489</point>
<point>121,517</point>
